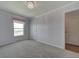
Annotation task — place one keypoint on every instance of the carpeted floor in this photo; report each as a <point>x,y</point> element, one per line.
<point>34,49</point>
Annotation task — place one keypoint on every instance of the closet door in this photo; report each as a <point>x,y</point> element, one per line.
<point>72,28</point>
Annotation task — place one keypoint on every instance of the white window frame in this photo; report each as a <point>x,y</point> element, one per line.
<point>18,27</point>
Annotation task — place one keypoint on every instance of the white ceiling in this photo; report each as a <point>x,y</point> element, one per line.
<point>19,7</point>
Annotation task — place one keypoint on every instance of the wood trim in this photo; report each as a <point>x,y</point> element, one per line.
<point>72,44</point>
<point>72,47</point>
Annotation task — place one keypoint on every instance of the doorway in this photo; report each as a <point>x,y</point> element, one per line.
<point>72,31</point>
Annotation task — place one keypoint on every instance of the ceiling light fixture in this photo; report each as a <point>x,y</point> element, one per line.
<point>30,4</point>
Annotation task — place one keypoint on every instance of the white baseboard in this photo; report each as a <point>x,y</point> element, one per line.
<point>50,44</point>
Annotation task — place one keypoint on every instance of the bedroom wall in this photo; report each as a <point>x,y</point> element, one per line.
<point>6,29</point>
<point>49,28</point>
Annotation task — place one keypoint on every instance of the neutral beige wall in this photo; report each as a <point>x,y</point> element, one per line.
<point>72,27</point>
<point>6,29</point>
<point>49,28</point>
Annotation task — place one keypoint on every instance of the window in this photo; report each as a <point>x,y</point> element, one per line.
<point>18,28</point>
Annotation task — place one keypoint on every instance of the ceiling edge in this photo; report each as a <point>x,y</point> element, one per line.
<point>56,9</point>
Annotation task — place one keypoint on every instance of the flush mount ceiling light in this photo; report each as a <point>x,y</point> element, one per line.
<point>30,4</point>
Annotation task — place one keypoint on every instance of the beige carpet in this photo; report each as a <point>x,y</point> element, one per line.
<point>33,49</point>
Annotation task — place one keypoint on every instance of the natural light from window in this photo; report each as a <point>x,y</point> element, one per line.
<point>18,28</point>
